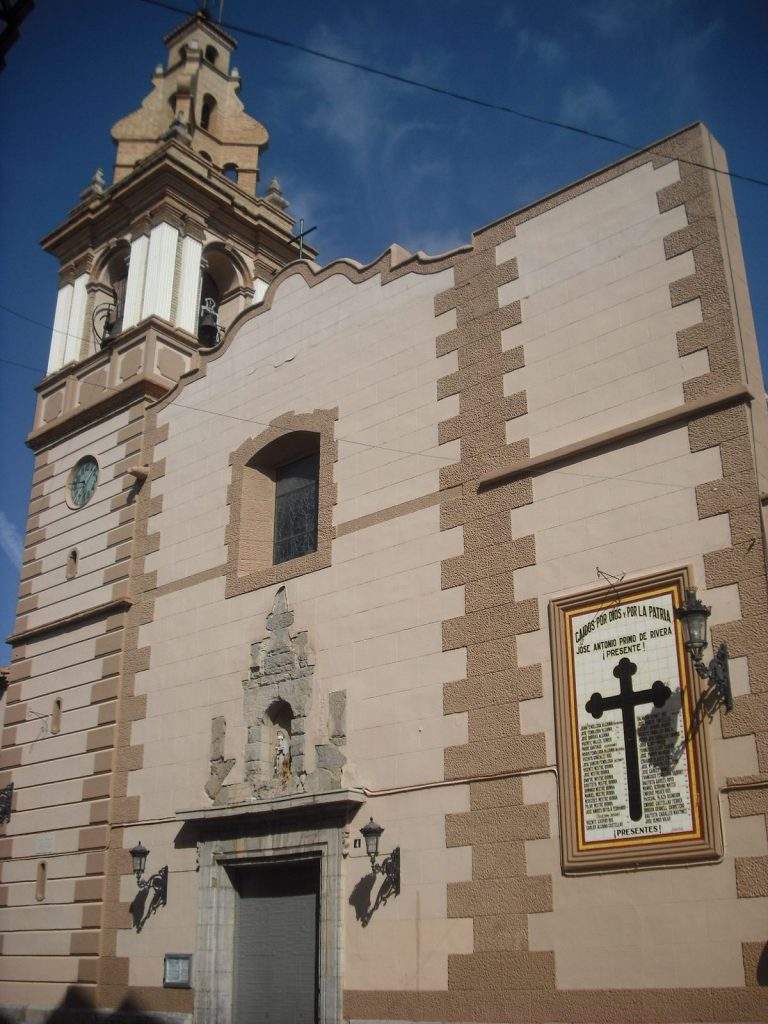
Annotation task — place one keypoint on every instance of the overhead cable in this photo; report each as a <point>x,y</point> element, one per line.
<point>452,94</point>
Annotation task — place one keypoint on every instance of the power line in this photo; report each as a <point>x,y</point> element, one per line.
<point>444,460</point>
<point>452,94</point>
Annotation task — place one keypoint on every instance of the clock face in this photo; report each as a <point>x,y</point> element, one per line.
<point>82,483</point>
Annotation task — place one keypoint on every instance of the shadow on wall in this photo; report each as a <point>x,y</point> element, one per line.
<point>762,968</point>
<point>77,1008</point>
<point>361,895</point>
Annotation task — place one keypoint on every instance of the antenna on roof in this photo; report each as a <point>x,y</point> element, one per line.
<point>300,236</point>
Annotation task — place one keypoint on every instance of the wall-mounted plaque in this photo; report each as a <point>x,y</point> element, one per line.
<point>177,971</point>
<point>634,784</point>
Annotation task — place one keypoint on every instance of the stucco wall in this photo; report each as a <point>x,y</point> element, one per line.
<point>373,618</point>
<point>61,779</point>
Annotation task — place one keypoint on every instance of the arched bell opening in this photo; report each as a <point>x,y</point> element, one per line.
<point>107,290</point>
<point>221,294</point>
<point>208,113</point>
<point>211,55</point>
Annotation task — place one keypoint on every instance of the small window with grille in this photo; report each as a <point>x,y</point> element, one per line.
<point>296,508</point>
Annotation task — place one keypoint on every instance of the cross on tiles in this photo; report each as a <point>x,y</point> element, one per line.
<point>627,700</point>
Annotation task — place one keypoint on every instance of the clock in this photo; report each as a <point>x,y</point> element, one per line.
<point>82,483</point>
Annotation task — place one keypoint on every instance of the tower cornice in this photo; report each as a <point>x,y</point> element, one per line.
<point>177,180</point>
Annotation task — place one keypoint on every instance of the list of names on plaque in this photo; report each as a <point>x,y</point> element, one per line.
<point>630,721</point>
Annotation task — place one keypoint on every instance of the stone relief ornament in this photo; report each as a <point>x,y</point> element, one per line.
<point>281,707</point>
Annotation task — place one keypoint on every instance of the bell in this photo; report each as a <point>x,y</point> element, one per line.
<point>110,325</point>
<point>208,330</point>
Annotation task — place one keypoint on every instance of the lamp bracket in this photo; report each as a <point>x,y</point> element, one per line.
<point>720,676</point>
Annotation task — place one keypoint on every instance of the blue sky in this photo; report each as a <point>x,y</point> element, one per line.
<point>369,161</point>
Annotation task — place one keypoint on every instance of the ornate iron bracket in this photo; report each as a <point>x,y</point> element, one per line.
<point>152,894</point>
<point>718,674</point>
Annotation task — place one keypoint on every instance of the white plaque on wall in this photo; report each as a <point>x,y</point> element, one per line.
<point>630,738</point>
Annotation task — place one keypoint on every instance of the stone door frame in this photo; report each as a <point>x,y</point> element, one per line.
<point>214,953</point>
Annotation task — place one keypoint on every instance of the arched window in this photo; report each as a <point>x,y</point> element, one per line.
<point>282,496</point>
<point>56,717</point>
<point>296,484</point>
<point>206,156</point>
<point>211,54</point>
<point>207,112</point>
<point>230,171</point>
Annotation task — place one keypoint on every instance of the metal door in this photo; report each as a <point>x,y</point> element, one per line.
<point>276,954</point>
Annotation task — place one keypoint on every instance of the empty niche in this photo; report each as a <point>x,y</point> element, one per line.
<point>72,559</point>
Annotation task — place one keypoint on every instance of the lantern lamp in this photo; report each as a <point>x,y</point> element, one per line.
<point>694,614</point>
<point>139,856</point>
<point>371,833</point>
<point>389,867</point>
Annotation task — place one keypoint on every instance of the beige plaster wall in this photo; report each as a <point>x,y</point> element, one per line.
<point>598,333</point>
<point>374,617</point>
<point>87,529</point>
<point>60,780</point>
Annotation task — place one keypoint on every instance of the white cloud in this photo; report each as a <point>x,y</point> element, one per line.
<point>589,105</point>
<point>10,541</point>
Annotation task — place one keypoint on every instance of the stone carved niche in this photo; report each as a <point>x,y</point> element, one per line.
<point>279,698</point>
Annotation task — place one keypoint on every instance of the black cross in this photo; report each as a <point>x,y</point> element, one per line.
<point>627,700</point>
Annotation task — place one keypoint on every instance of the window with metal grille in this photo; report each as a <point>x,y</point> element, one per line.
<point>296,508</point>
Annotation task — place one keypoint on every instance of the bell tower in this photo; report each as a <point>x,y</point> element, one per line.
<point>168,255</point>
<point>154,268</point>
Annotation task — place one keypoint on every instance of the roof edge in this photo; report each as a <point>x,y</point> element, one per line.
<point>633,155</point>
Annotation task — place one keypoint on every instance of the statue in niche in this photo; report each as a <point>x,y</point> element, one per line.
<point>282,765</point>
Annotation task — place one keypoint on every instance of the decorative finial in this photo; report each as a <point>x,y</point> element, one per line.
<point>95,186</point>
<point>275,195</point>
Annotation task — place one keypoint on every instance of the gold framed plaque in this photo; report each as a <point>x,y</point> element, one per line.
<point>631,736</point>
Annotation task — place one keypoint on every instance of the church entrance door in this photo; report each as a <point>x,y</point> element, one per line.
<point>276,942</point>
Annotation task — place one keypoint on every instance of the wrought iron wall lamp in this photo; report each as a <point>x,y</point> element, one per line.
<point>153,891</point>
<point>390,865</point>
<point>693,615</point>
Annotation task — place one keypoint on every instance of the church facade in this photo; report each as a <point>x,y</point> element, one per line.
<point>361,668</point>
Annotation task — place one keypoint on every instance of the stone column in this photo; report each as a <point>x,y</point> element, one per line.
<point>76,325</point>
<point>134,288</point>
<point>60,324</point>
<point>161,264</point>
<point>189,284</point>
